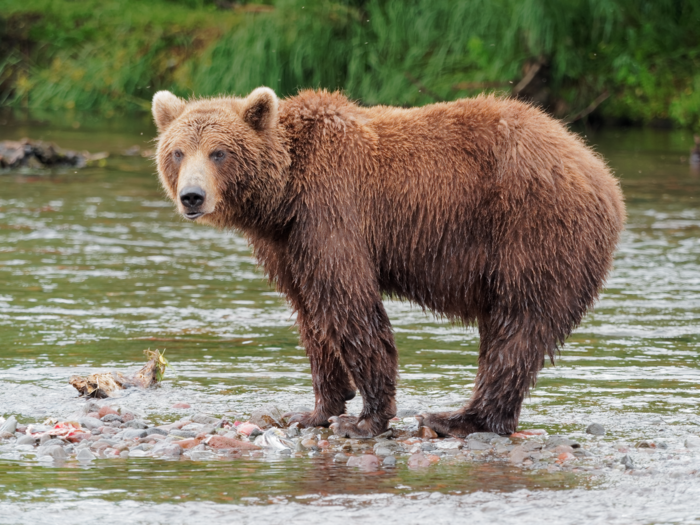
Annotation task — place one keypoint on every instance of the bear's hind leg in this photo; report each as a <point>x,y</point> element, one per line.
<point>510,356</point>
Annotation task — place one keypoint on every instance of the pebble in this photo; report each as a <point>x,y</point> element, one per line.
<point>483,437</point>
<point>9,426</point>
<point>595,429</point>
<point>91,423</point>
<point>627,462</point>
<point>419,460</point>
<point>219,442</point>
<point>26,440</point>
<point>108,418</point>
<point>382,452</point>
<point>181,405</point>
<point>267,417</point>
<point>692,442</point>
<point>340,458</point>
<point>136,423</point>
<point>183,433</point>
<point>133,433</point>
<point>54,451</point>
<point>85,455</point>
<point>106,410</point>
<point>389,462</point>
<point>365,462</point>
<point>155,430</point>
<point>206,420</point>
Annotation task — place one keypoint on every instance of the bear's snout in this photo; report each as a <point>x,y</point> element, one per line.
<point>192,198</point>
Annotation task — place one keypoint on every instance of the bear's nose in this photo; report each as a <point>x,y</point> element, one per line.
<point>192,196</point>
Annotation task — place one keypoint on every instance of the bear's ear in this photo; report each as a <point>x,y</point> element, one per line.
<point>166,108</point>
<point>260,109</point>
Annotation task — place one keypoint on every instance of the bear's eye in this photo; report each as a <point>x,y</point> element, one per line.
<point>177,154</point>
<point>218,155</point>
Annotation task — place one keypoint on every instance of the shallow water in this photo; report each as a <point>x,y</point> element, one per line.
<point>95,267</point>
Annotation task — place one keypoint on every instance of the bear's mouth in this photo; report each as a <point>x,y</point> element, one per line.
<point>192,215</point>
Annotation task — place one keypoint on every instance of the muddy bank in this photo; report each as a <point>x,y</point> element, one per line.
<point>28,153</point>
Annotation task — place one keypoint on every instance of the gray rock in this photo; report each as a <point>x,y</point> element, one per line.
<point>628,462</point>
<point>55,451</point>
<point>483,437</point>
<point>133,433</point>
<point>692,442</point>
<point>427,446</point>
<point>206,420</point>
<point>53,441</point>
<point>183,433</point>
<point>9,426</point>
<point>26,440</point>
<point>382,452</point>
<point>135,423</point>
<point>389,462</point>
<point>156,430</point>
<point>85,455</point>
<point>91,423</point>
<point>407,412</point>
<point>531,445</point>
<point>341,458</point>
<point>268,416</point>
<point>112,417</point>
<point>293,431</point>
<point>595,429</point>
<point>124,454</point>
<point>555,441</point>
<point>473,444</point>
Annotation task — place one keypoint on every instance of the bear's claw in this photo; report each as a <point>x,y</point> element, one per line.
<point>354,427</point>
<point>455,424</point>
<point>307,419</point>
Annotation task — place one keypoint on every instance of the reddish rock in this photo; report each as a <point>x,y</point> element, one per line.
<point>565,456</point>
<point>96,415</point>
<point>188,443</point>
<point>366,462</point>
<point>106,410</point>
<point>127,416</point>
<point>533,432</point>
<point>323,443</point>
<point>518,455</point>
<point>78,437</point>
<point>418,460</point>
<point>247,428</point>
<point>427,433</point>
<point>219,442</point>
<point>433,458</point>
<point>181,405</point>
<point>172,426</point>
<point>563,449</point>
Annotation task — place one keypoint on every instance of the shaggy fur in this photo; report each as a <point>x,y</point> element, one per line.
<point>482,210</point>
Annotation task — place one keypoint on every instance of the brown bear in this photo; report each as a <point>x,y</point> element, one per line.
<point>482,210</point>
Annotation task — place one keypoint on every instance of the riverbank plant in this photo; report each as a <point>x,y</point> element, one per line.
<point>615,60</point>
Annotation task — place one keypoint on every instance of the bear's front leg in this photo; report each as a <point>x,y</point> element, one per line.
<point>342,309</point>
<point>370,356</point>
<point>331,382</point>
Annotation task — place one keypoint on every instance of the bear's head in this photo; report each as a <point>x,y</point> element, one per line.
<point>222,160</point>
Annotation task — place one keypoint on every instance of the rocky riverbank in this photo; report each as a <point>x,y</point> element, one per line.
<point>108,432</point>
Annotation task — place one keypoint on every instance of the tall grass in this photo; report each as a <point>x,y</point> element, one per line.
<point>644,53</point>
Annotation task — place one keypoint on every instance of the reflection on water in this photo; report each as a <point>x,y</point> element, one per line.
<point>95,266</point>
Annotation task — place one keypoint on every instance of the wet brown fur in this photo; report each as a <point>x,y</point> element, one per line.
<point>482,210</point>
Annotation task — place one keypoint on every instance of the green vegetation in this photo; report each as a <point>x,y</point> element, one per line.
<point>638,59</point>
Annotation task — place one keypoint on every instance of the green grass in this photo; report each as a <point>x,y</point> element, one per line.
<point>111,56</point>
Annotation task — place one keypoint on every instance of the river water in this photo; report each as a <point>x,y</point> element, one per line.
<point>95,267</point>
